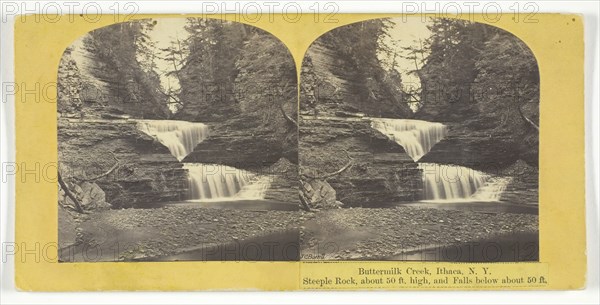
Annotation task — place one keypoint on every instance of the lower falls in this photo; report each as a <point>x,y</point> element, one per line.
<point>441,182</point>
<point>207,182</point>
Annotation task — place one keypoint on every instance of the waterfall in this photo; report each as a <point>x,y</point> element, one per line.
<point>417,137</point>
<point>211,182</point>
<point>255,190</point>
<point>440,182</point>
<point>492,190</point>
<point>450,182</point>
<point>207,182</point>
<point>180,137</point>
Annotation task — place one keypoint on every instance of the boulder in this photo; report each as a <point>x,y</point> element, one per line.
<point>320,194</point>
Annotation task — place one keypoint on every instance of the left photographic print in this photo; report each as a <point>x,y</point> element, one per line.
<point>177,141</point>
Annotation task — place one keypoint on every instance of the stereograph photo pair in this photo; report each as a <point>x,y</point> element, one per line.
<point>377,152</point>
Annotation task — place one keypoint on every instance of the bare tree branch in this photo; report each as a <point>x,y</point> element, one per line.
<point>180,50</point>
<point>172,97</point>
<point>526,119</point>
<point>68,192</point>
<point>335,173</point>
<point>117,165</point>
<point>286,116</point>
<point>304,202</point>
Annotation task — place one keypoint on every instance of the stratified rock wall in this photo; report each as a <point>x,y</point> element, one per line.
<point>474,149</point>
<point>148,173</point>
<point>238,143</point>
<point>524,186</point>
<point>382,172</point>
<point>92,84</point>
<point>284,183</point>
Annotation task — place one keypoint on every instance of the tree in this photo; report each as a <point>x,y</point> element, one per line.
<point>482,76</point>
<point>208,72</point>
<point>124,56</point>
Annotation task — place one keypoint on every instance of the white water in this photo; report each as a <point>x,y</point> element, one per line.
<point>207,182</point>
<point>417,137</point>
<point>211,182</point>
<point>450,182</point>
<point>445,183</point>
<point>492,190</point>
<point>180,137</point>
<point>255,190</point>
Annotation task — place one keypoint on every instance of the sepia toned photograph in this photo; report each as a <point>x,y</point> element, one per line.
<point>418,141</point>
<point>182,140</point>
<point>177,141</point>
<point>296,146</point>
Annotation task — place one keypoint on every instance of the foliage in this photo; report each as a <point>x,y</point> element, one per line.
<point>208,72</point>
<point>508,79</point>
<point>125,56</point>
<point>266,82</point>
<point>356,79</point>
<point>360,42</point>
<point>482,77</point>
<point>239,76</point>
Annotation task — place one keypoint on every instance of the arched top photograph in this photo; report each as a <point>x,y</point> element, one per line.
<point>168,126</point>
<point>436,118</point>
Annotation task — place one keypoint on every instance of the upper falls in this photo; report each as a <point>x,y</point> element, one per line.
<point>417,137</point>
<point>180,137</point>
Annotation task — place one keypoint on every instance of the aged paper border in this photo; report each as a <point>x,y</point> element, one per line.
<point>556,40</point>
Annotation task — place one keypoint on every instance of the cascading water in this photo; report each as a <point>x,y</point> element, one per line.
<point>440,182</point>
<point>255,190</point>
<point>450,182</point>
<point>492,190</point>
<point>180,137</point>
<point>417,137</point>
<point>211,182</point>
<point>207,182</point>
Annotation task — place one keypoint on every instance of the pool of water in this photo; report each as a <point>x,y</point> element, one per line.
<point>515,247</point>
<point>276,246</point>
<point>251,205</point>
<point>489,207</point>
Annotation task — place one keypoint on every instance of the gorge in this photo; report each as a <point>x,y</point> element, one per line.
<point>216,147</point>
<point>158,147</point>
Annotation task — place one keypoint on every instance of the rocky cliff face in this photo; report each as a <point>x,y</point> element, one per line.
<point>240,143</point>
<point>101,82</point>
<point>257,78</point>
<point>483,92</point>
<point>147,172</point>
<point>476,149</point>
<point>381,173</point>
<point>285,181</point>
<point>100,79</point>
<point>331,84</point>
<point>524,186</point>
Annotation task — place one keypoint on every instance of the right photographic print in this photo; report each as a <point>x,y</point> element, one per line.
<point>418,140</point>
